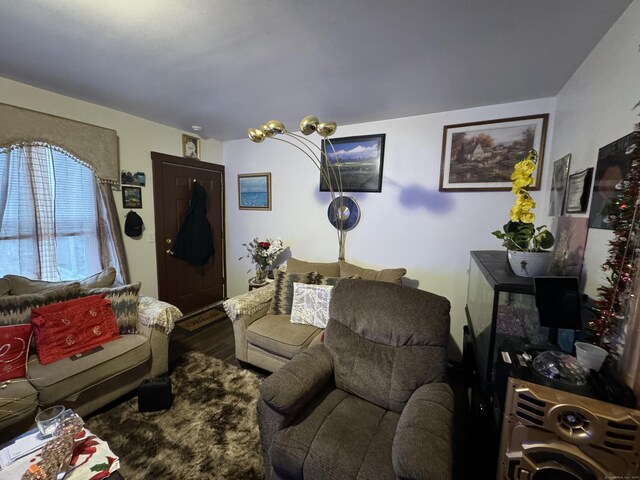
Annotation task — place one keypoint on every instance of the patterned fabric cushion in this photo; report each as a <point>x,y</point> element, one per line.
<point>22,285</point>
<point>322,280</point>
<point>300,266</point>
<point>283,295</point>
<point>14,351</point>
<point>311,304</point>
<point>124,301</point>
<point>66,328</point>
<point>5,286</point>
<point>16,309</point>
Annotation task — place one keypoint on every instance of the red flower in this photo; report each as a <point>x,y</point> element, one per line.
<point>264,245</point>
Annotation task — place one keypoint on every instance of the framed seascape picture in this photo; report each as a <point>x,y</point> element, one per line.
<point>190,147</point>
<point>559,185</point>
<point>131,197</point>
<point>578,189</point>
<point>612,168</point>
<point>359,161</point>
<point>481,155</point>
<point>254,191</point>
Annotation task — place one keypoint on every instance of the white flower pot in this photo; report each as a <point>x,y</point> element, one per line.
<point>529,264</point>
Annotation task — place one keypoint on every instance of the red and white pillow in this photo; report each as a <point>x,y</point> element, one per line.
<point>14,351</point>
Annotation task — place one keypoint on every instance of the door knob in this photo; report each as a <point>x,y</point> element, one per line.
<point>169,252</point>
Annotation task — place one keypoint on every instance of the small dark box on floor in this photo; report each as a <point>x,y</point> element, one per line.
<point>155,394</point>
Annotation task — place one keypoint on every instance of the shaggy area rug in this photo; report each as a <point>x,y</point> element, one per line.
<point>210,432</point>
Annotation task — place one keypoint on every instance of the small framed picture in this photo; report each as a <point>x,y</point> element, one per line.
<point>131,197</point>
<point>190,147</point>
<point>481,155</point>
<point>359,161</point>
<point>254,191</point>
<point>138,178</point>
<point>578,190</point>
<point>559,185</point>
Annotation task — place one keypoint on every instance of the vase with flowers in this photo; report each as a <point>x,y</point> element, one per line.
<point>263,253</point>
<point>527,245</point>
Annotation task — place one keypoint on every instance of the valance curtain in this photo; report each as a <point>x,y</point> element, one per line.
<point>25,132</point>
<point>97,147</point>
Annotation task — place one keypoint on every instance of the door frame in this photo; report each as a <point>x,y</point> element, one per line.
<point>157,159</point>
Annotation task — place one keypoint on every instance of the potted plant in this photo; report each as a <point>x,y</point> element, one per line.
<point>527,245</point>
<point>263,253</point>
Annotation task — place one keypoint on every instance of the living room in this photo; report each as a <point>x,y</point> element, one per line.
<point>410,223</point>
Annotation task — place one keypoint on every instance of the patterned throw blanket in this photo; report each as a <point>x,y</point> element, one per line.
<point>156,312</point>
<point>250,302</point>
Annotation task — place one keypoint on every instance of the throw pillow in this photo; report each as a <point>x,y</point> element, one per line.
<point>283,294</point>
<point>392,275</point>
<point>66,328</point>
<point>124,302</point>
<point>22,285</point>
<point>311,304</point>
<point>5,286</point>
<point>16,309</point>
<point>14,351</point>
<point>331,269</point>
<point>322,280</point>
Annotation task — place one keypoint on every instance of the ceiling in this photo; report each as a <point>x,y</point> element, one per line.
<point>227,65</point>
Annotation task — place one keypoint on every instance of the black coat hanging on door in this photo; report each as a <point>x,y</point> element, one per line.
<point>194,243</point>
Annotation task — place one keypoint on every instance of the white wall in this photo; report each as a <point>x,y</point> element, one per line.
<point>410,224</point>
<point>137,138</point>
<point>595,108</point>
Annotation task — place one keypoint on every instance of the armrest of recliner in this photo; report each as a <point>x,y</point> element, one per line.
<point>298,381</point>
<point>422,444</point>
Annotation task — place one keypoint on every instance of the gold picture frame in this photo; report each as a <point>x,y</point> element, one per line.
<point>190,147</point>
<point>254,191</point>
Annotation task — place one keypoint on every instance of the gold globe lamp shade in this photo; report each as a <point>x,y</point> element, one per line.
<point>256,135</point>
<point>309,124</point>
<point>326,129</point>
<point>275,127</point>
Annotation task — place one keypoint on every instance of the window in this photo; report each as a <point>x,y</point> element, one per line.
<point>48,215</point>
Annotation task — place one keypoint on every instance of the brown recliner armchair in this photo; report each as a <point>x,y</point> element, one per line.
<point>371,402</point>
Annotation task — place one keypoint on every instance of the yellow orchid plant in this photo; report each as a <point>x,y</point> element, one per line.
<point>519,233</point>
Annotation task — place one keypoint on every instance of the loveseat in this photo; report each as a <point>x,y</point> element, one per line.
<point>92,380</point>
<point>263,332</point>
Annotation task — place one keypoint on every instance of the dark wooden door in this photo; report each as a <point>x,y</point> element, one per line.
<point>187,287</point>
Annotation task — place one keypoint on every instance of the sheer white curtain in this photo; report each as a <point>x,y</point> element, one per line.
<point>54,223</point>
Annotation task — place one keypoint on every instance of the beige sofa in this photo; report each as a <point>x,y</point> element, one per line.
<point>269,341</point>
<point>90,382</point>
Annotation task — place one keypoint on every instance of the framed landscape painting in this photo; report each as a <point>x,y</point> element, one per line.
<point>481,155</point>
<point>359,161</point>
<point>254,191</point>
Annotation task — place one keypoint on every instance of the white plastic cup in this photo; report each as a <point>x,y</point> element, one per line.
<point>49,419</point>
<point>591,357</point>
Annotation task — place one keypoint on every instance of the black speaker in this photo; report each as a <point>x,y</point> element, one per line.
<point>155,394</point>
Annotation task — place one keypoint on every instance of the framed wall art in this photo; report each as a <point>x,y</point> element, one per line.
<point>359,160</point>
<point>190,147</point>
<point>613,166</point>
<point>481,155</point>
<point>558,192</point>
<point>254,191</point>
<point>578,189</point>
<point>128,178</point>
<point>131,197</point>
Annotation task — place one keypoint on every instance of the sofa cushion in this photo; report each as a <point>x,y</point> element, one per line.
<point>14,343</point>
<point>23,285</point>
<point>283,294</point>
<point>65,328</point>
<point>16,309</point>
<point>337,436</point>
<point>310,304</point>
<point>124,302</point>
<point>5,286</point>
<point>16,399</point>
<point>67,377</point>
<point>331,269</point>
<point>276,334</point>
<point>392,275</point>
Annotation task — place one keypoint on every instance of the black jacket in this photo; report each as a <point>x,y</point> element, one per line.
<point>194,243</point>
